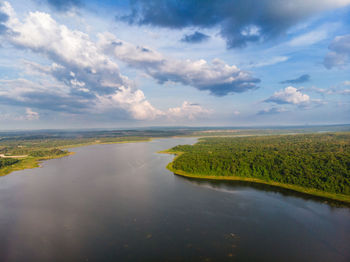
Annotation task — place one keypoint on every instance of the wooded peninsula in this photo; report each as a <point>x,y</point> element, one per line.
<point>316,164</point>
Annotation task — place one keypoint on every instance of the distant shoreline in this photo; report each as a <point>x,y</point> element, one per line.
<point>34,162</point>
<point>28,163</point>
<point>308,191</point>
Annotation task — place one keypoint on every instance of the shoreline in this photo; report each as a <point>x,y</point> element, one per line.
<point>308,191</point>
<point>97,142</point>
<point>34,162</point>
<point>29,163</point>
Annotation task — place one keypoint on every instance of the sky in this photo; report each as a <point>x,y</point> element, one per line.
<point>120,63</point>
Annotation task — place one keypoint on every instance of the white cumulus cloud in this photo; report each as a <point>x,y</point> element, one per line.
<point>217,77</point>
<point>188,111</point>
<point>88,75</point>
<point>289,95</point>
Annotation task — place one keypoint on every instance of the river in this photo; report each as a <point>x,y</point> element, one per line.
<point>118,202</point>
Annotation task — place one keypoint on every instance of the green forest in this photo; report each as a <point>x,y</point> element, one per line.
<point>48,152</point>
<point>4,162</point>
<point>315,161</point>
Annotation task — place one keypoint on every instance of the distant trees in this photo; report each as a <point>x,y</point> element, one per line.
<point>319,161</point>
<point>50,152</point>
<point>7,162</point>
<point>21,146</point>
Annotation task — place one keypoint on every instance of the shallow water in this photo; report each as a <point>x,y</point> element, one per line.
<point>118,203</point>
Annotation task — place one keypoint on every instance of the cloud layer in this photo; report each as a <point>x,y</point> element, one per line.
<point>299,80</point>
<point>339,52</point>
<point>217,77</point>
<point>81,78</point>
<point>239,22</point>
<point>289,95</point>
<point>3,19</point>
<point>188,111</point>
<point>31,115</point>
<point>272,111</point>
<point>196,37</point>
<point>88,76</point>
<point>64,5</point>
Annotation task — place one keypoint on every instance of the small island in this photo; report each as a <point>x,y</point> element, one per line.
<point>315,164</point>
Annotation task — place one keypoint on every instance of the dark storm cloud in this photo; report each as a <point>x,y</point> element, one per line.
<point>240,21</point>
<point>299,80</point>
<point>196,37</point>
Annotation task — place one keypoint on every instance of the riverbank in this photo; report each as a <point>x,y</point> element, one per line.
<point>34,162</point>
<point>308,191</point>
<point>28,163</point>
<point>98,142</point>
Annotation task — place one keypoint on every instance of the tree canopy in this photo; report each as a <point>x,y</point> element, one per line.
<point>318,161</point>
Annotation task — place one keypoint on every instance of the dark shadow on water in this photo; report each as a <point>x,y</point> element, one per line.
<point>236,185</point>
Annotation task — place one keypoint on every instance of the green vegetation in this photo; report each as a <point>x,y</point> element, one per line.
<point>27,148</point>
<point>268,131</point>
<point>28,162</point>
<point>4,162</point>
<point>317,164</point>
<point>50,152</point>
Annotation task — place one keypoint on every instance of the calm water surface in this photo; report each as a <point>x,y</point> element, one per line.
<point>118,203</point>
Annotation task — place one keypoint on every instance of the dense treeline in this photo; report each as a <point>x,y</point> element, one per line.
<point>7,162</point>
<point>51,152</point>
<point>318,161</point>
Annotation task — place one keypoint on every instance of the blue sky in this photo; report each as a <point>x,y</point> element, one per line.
<point>79,64</point>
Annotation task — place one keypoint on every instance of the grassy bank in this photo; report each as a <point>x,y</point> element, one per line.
<point>27,163</point>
